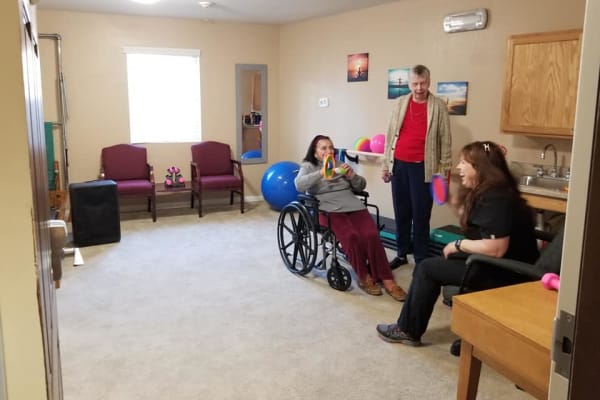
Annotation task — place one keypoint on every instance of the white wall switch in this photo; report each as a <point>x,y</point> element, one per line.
<point>323,102</point>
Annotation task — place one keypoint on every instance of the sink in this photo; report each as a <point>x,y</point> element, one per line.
<point>545,183</point>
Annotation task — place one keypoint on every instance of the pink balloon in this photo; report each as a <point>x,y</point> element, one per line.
<point>378,143</point>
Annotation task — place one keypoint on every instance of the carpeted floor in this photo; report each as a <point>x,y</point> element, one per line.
<point>203,308</point>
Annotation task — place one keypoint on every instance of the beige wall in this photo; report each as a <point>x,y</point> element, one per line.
<point>311,56</point>
<point>21,330</point>
<point>401,34</point>
<point>96,81</point>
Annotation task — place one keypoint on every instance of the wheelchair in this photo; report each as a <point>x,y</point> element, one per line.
<point>299,236</point>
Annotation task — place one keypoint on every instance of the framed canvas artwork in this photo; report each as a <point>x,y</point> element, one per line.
<point>398,82</point>
<point>358,67</point>
<point>455,95</point>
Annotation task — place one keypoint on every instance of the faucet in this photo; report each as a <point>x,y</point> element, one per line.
<point>554,171</point>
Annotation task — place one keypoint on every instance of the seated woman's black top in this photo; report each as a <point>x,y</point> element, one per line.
<point>500,213</point>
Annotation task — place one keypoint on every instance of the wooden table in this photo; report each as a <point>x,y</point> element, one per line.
<point>160,188</point>
<point>510,330</point>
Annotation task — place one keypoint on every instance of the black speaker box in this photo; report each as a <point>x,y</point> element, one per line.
<point>95,212</point>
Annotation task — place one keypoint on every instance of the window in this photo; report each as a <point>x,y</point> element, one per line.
<point>164,95</point>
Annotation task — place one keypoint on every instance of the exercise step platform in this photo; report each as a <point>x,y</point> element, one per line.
<point>440,237</point>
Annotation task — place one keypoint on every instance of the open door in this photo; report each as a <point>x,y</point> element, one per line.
<point>41,210</point>
<point>574,373</point>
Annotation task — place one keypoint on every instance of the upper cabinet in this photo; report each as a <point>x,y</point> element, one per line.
<point>540,85</point>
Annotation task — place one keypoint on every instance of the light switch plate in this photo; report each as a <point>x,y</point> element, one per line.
<point>323,102</point>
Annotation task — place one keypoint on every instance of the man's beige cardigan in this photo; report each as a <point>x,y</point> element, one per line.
<point>438,141</point>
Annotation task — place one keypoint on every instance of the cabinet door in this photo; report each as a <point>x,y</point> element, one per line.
<point>540,86</point>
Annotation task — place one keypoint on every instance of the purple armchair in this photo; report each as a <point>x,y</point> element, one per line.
<point>213,169</point>
<point>127,165</point>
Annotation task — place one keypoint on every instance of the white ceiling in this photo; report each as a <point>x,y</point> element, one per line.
<point>255,11</point>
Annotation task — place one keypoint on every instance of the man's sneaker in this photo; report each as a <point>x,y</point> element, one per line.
<point>393,334</point>
<point>398,262</point>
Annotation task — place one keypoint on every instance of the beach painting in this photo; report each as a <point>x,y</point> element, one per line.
<point>455,95</point>
<point>398,82</point>
<point>358,67</point>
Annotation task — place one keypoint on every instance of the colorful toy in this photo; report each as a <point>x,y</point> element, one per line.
<point>174,178</point>
<point>362,144</point>
<point>277,185</point>
<point>551,281</point>
<point>439,189</point>
<point>378,143</point>
<point>329,168</point>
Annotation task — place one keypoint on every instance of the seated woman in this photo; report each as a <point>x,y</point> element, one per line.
<point>496,221</point>
<point>351,222</point>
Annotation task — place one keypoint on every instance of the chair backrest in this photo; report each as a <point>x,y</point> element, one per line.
<point>125,161</point>
<point>551,255</point>
<point>212,158</point>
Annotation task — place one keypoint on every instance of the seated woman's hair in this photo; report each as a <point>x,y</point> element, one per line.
<point>487,158</point>
<point>312,147</point>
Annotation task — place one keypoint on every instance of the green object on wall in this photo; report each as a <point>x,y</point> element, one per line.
<point>49,130</point>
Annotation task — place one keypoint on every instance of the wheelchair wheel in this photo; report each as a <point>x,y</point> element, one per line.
<point>297,238</point>
<point>339,278</point>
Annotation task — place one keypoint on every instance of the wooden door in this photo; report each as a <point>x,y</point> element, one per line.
<point>586,352</point>
<point>41,211</point>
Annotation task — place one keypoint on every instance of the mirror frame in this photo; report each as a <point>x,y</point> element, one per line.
<point>262,68</point>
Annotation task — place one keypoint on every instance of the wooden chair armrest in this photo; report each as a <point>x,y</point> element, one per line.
<point>194,171</point>
<point>238,166</point>
<point>151,173</point>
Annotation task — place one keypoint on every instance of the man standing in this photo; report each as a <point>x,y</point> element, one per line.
<point>418,144</point>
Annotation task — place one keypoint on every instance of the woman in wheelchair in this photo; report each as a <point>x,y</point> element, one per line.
<point>496,221</point>
<point>349,219</point>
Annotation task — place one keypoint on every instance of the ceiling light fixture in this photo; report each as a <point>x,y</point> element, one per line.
<point>146,1</point>
<point>206,4</point>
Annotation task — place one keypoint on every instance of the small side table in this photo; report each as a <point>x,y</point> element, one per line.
<point>161,190</point>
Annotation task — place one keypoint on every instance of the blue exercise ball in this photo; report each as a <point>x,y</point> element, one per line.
<point>277,184</point>
<point>252,154</point>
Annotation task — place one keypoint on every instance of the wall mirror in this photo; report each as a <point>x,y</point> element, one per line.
<point>251,108</point>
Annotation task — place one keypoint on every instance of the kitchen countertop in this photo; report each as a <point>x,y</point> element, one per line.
<point>557,194</point>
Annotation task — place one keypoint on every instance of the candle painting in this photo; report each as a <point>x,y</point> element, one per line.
<point>358,67</point>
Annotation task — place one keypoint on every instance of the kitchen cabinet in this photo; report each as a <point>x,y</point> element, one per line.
<point>545,203</point>
<point>540,85</point>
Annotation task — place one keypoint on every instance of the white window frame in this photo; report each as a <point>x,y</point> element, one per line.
<point>163,95</point>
